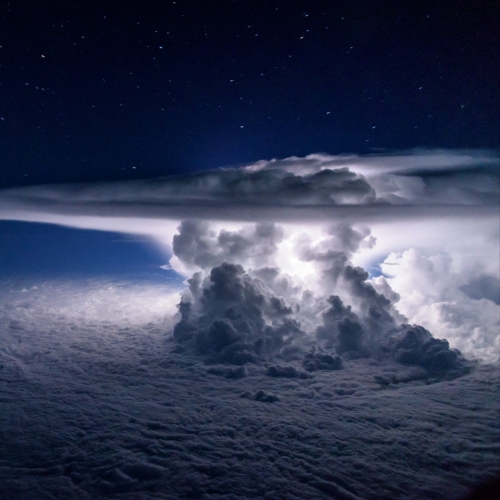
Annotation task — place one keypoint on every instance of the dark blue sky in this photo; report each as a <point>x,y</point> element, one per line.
<point>117,90</point>
<point>43,250</point>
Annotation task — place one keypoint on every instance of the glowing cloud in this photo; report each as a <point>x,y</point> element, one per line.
<point>318,187</point>
<point>295,232</point>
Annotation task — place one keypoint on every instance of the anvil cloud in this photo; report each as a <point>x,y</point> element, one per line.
<point>326,341</point>
<point>317,187</point>
<point>441,205</point>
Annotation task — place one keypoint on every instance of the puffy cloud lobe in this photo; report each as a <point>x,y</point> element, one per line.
<point>227,319</point>
<point>286,371</point>
<point>234,316</point>
<point>333,253</point>
<point>278,307</point>
<point>378,312</point>
<point>341,328</point>
<point>341,241</point>
<point>414,345</point>
<point>320,360</point>
<point>453,301</point>
<point>197,244</point>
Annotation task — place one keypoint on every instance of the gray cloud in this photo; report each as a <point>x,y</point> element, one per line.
<point>483,287</point>
<point>97,408</point>
<point>233,315</point>
<point>264,384</point>
<point>318,187</point>
<point>235,318</point>
<point>198,244</point>
<point>414,345</point>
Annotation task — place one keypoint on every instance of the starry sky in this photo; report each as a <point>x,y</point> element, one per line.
<point>98,90</point>
<point>321,321</point>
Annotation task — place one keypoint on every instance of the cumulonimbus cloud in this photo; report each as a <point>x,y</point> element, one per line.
<point>312,284</point>
<point>278,220</point>
<point>317,187</point>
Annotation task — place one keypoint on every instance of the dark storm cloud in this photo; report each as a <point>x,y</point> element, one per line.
<point>259,386</point>
<point>232,315</point>
<point>317,187</point>
<point>97,408</point>
<point>235,318</point>
<point>341,328</point>
<point>414,345</point>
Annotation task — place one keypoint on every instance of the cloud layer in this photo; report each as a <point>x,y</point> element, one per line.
<point>318,187</point>
<point>93,408</point>
<point>440,205</point>
<point>283,369</point>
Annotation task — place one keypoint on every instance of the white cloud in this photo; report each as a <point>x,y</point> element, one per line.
<point>99,398</point>
<point>98,403</point>
<point>315,188</point>
<point>437,202</point>
<point>125,302</point>
<point>431,295</point>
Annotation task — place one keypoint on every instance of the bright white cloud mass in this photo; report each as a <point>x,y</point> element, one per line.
<point>428,221</point>
<point>337,288</point>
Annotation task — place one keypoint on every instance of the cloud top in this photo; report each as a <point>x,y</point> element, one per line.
<point>293,270</point>
<point>316,187</point>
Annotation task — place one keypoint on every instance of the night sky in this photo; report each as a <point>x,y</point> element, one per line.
<point>96,91</point>
<point>249,250</point>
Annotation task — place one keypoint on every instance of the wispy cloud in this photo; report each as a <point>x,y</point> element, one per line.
<point>317,187</point>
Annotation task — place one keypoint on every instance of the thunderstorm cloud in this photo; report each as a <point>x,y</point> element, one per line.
<point>319,187</point>
<point>339,317</point>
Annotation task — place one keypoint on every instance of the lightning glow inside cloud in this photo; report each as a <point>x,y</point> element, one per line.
<point>298,233</point>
